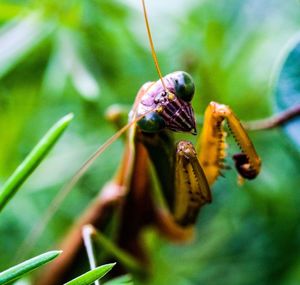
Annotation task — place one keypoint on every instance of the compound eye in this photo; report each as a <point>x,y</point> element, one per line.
<point>152,123</point>
<point>184,86</point>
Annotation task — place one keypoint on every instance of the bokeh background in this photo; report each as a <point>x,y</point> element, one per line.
<point>77,56</point>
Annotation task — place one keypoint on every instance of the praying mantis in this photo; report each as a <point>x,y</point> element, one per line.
<point>160,183</point>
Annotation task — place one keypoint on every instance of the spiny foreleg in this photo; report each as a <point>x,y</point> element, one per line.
<point>212,146</point>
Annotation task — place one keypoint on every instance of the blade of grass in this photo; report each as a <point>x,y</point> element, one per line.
<point>19,270</point>
<point>20,36</point>
<point>32,160</point>
<point>92,275</point>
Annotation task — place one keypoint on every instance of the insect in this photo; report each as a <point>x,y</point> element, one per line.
<point>184,173</point>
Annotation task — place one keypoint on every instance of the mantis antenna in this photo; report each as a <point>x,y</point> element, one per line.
<point>152,45</point>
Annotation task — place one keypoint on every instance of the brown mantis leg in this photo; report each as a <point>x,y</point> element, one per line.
<point>131,181</point>
<point>192,189</point>
<point>212,147</point>
<point>135,212</point>
<point>182,182</point>
<point>99,211</point>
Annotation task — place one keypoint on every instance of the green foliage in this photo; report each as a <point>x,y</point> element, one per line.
<point>92,275</point>
<point>33,159</point>
<point>27,266</point>
<point>81,56</point>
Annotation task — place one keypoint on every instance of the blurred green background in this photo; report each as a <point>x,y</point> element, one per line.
<point>82,56</point>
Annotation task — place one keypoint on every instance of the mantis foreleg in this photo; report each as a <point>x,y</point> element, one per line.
<point>212,147</point>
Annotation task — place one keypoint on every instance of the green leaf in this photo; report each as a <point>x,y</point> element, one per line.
<point>287,87</point>
<point>19,270</point>
<point>92,275</point>
<point>27,32</point>
<point>32,160</point>
<point>68,63</point>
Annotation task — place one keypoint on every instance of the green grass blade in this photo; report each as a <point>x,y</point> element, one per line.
<point>32,160</point>
<point>28,32</point>
<point>92,275</point>
<point>19,270</point>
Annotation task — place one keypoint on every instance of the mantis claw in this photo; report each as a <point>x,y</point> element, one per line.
<point>213,146</point>
<point>243,166</point>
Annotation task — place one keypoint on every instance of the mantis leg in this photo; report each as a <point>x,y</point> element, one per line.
<point>212,147</point>
<point>126,196</point>
<point>98,213</point>
<point>192,189</point>
<point>182,182</point>
<point>107,204</point>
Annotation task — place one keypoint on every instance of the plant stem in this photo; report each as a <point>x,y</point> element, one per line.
<point>274,121</point>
